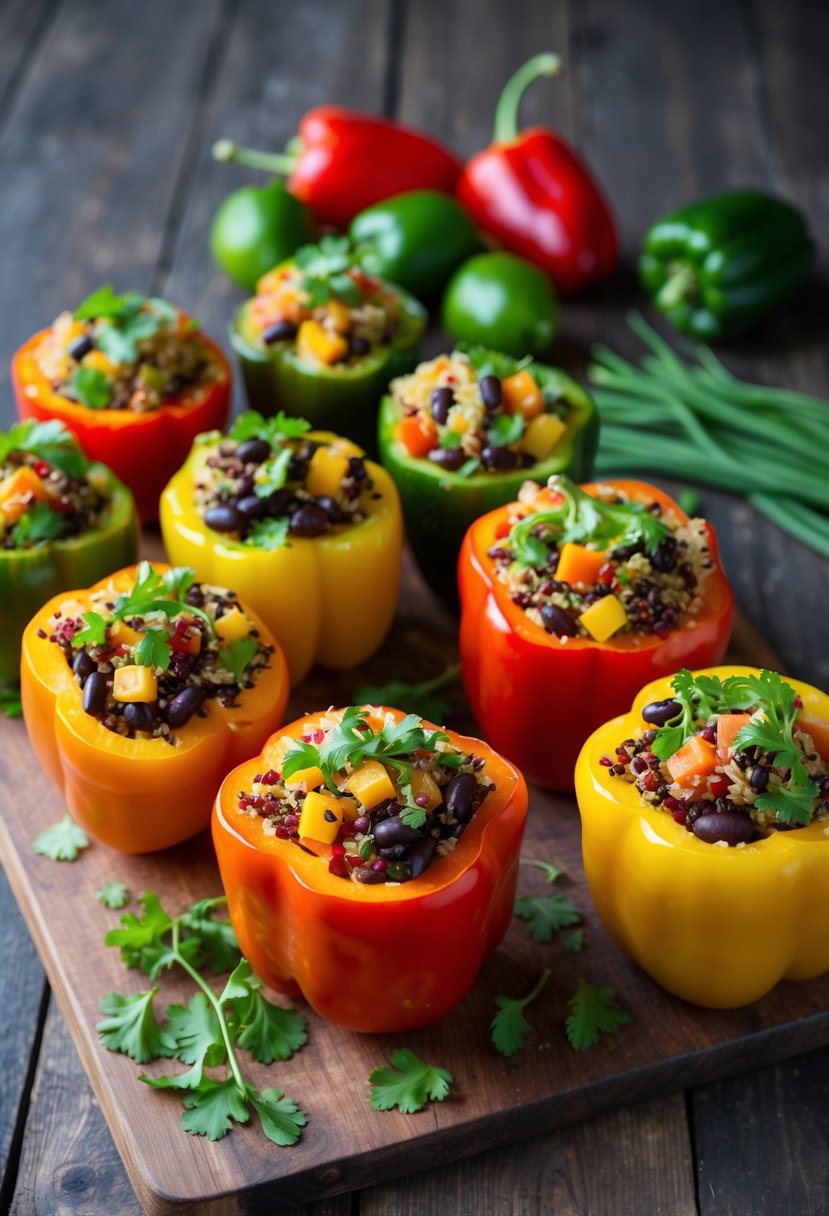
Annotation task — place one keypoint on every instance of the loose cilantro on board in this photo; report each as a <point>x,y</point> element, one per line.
<point>62,841</point>
<point>509,1027</point>
<point>595,1012</point>
<point>546,914</point>
<point>416,698</point>
<point>409,1084</point>
<point>10,704</point>
<point>113,895</point>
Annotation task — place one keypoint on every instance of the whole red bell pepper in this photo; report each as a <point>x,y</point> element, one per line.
<point>537,695</point>
<point>531,192</point>
<point>343,161</point>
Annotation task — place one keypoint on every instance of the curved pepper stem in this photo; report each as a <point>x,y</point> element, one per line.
<point>282,164</point>
<point>681,284</point>
<point>506,112</point>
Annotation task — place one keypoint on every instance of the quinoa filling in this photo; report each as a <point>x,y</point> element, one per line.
<point>462,416</point>
<point>266,482</point>
<point>149,660</point>
<point>126,352</point>
<point>599,567</point>
<point>370,820</point>
<point>732,761</point>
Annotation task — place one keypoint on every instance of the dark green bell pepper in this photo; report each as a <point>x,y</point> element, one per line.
<point>414,239</point>
<point>718,267</point>
<point>501,301</point>
<point>255,228</point>
<point>439,506</point>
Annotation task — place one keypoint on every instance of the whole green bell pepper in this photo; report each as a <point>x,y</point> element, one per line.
<point>256,227</point>
<point>502,301</point>
<point>439,505</point>
<point>718,267</point>
<point>414,239</point>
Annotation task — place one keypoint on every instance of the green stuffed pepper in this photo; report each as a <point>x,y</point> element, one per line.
<point>64,522</point>
<point>322,338</point>
<point>461,435</point>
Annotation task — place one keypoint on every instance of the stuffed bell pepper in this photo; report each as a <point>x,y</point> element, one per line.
<point>705,817</point>
<point>572,598</point>
<point>462,434</point>
<point>133,378</point>
<point>307,530</point>
<point>63,521</point>
<point>370,863</point>
<point>140,693</point>
<point>321,339</point>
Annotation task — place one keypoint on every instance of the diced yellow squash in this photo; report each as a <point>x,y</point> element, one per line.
<point>370,784</point>
<point>578,564</point>
<point>134,683</point>
<point>604,618</point>
<point>99,362</point>
<point>424,783</point>
<point>315,344</point>
<point>232,625</point>
<point>122,634</point>
<point>309,777</point>
<point>521,395</point>
<point>457,421</point>
<point>321,817</point>
<point>18,490</point>
<point>339,314</point>
<point>72,331</point>
<point>326,470</point>
<point>543,435</point>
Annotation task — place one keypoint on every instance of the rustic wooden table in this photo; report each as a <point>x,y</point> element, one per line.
<point>107,113</point>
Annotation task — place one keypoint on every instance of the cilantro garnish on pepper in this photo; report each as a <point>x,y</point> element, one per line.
<point>122,322</point>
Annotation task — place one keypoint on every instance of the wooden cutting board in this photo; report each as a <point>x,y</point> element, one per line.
<point>667,1044</point>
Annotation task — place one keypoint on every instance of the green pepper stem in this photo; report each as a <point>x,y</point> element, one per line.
<point>506,112</point>
<point>271,162</point>
<point>681,284</point>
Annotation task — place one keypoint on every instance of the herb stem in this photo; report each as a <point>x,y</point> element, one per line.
<point>232,1062</point>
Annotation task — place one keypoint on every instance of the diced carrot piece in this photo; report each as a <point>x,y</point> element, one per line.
<point>316,344</point>
<point>370,783</point>
<point>132,684</point>
<point>696,758</point>
<point>339,315</point>
<point>417,435</point>
<point>521,395</point>
<point>18,490</point>
<point>818,731</point>
<point>728,726</point>
<point>577,564</point>
<point>122,634</point>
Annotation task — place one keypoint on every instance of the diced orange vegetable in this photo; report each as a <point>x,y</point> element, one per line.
<point>728,726</point>
<point>122,634</point>
<point>325,472</point>
<point>17,491</point>
<point>97,361</point>
<point>316,344</point>
<point>232,625</point>
<point>134,684</point>
<point>321,817</point>
<point>696,758</point>
<point>417,434</point>
<point>577,564</point>
<point>543,435</point>
<point>604,618</point>
<point>370,783</point>
<point>521,395</point>
<point>339,315</point>
<point>309,777</point>
<point>424,783</point>
<point>818,731</point>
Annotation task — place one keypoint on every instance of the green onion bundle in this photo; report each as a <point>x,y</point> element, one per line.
<point>699,423</point>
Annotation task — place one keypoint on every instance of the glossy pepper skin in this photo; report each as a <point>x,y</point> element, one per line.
<point>329,600</point>
<point>377,959</point>
<point>718,267</point>
<point>501,301</point>
<point>415,240</point>
<point>256,227</point>
<point>138,795</point>
<point>687,912</point>
<point>537,696</point>
<point>439,506</point>
<point>142,449</point>
<point>343,161</point>
<point>338,398</point>
<point>534,195</point>
<point>28,577</point>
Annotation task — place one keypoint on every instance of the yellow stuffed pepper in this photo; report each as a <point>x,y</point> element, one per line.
<point>304,527</point>
<point>705,832</point>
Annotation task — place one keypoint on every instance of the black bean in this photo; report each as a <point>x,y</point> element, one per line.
<point>490,389</point>
<point>450,459</point>
<point>225,518</point>
<point>308,520</point>
<point>420,855</point>
<point>734,827</point>
<point>282,331</point>
<point>358,346</point>
<point>279,502</point>
<point>139,715</point>
<point>83,666</point>
<point>362,824</point>
<point>366,875</point>
<point>495,457</point>
<point>394,831</point>
<point>252,507</point>
<point>95,693</point>
<point>297,468</point>
<point>393,852</point>
<point>459,796</point>
<point>441,400</point>
<point>182,707</point>
<point>80,347</point>
<point>758,778</point>
<point>335,513</point>
<point>555,620</point>
<point>660,712</point>
<point>664,556</point>
<point>357,468</point>
<point>254,451</point>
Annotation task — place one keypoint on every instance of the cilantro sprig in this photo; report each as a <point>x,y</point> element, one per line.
<point>154,592</point>
<point>509,1027</point>
<point>325,269</point>
<point>546,914</point>
<point>122,321</point>
<point>595,1012</point>
<point>37,526</point>
<point>236,656</point>
<point>92,387</point>
<point>276,430</point>
<point>423,697</point>
<point>580,518</point>
<point>208,1032</point>
<point>409,1084</point>
<point>50,441</point>
<point>10,704</point>
<point>63,841</point>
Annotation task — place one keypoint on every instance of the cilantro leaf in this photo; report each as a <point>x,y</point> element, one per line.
<point>325,269</point>
<point>37,525</point>
<point>270,1032</point>
<point>147,592</point>
<point>62,841</point>
<point>92,387</point>
<point>594,1012</point>
<point>450,440</point>
<point>469,467</point>
<point>418,698</point>
<point>178,580</point>
<point>253,425</point>
<point>546,914</point>
<point>218,949</point>
<point>131,1027</point>
<point>50,441</point>
<point>153,650</point>
<point>506,429</point>
<point>119,338</point>
<point>140,937</point>
<point>409,1084</point>
<point>282,1120</point>
<point>269,534</point>
<point>113,895</point>
<point>212,1108</point>
<point>10,704</point>
<point>105,302</point>
<point>493,362</point>
<point>236,655</point>
<point>95,633</point>
<point>509,1027</point>
<point>574,942</point>
<point>194,1028</point>
<point>273,474</point>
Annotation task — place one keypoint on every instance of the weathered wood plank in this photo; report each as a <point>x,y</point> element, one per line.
<point>22,25</point>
